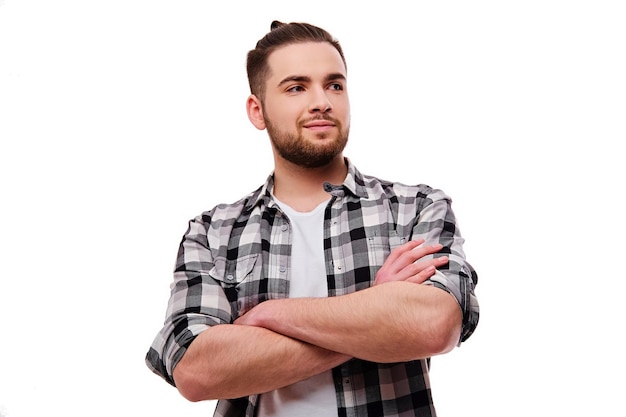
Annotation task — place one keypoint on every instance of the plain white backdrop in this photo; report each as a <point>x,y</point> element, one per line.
<point>121,120</point>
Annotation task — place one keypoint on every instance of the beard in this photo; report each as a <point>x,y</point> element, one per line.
<point>295,148</point>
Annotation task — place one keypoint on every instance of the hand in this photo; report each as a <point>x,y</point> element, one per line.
<point>253,316</point>
<point>402,263</point>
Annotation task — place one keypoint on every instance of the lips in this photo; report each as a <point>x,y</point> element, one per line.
<point>319,124</point>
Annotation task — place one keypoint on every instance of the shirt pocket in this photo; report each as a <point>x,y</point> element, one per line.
<point>380,245</point>
<point>239,277</point>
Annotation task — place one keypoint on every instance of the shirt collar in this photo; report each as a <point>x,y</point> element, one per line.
<point>353,184</point>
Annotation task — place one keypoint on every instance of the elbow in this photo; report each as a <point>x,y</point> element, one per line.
<point>189,386</point>
<point>189,394</point>
<point>443,342</point>
<point>446,331</point>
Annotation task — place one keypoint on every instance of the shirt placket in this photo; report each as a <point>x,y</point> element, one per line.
<point>279,257</point>
<point>336,224</point>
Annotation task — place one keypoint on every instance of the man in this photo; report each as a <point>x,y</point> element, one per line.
<point>325,291</point>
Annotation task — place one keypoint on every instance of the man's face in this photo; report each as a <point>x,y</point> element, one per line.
<point>306,108</point>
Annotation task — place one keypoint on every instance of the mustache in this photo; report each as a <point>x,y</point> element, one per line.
<point>318,118</point>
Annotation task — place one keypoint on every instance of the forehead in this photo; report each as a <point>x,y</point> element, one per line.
<point>309,59</point>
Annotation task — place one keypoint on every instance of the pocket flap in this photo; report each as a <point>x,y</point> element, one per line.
<point>233,271</point>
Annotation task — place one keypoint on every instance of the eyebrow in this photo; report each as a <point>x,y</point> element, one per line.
<point>305,79</point>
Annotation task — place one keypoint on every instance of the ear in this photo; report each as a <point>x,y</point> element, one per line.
<point>255,112</point>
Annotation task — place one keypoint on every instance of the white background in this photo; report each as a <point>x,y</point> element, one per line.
<point>121,120</point>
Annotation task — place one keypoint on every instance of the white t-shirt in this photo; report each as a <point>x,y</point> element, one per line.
<point>314,396</point>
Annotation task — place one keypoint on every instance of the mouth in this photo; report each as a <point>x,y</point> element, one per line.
<point>319,125</point>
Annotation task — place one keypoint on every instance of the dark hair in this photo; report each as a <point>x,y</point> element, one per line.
<point>282,34</point>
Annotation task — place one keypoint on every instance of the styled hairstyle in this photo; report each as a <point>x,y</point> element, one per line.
<point>282,34</point>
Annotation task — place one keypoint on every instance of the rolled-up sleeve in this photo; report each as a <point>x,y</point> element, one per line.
<point>197,301</point>
<point>436,223</point>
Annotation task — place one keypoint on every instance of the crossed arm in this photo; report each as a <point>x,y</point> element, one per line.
<point>280,342</point>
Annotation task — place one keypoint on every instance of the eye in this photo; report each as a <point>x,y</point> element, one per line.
<point>336,86</point>
<point>295,89</point>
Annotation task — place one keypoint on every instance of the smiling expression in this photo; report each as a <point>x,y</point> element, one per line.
<point>306,109</point>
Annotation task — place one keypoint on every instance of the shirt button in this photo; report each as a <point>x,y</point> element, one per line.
<point>284,227</point>
<point>282,268</point>
<point>230,278</point>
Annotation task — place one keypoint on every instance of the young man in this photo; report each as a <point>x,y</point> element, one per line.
<point>325,291</point>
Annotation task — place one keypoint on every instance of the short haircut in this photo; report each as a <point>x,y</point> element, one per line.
<point>282,34</point>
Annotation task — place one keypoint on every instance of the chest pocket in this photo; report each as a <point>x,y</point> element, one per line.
<point>380,245</point>
<point>239,278</point>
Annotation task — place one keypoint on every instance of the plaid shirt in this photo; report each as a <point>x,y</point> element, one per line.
<point>238,255</point>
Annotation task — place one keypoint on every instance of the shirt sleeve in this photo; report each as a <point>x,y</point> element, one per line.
<point>197,301</point>
<point>436,223</point>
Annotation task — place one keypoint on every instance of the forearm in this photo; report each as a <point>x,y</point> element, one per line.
<point>231,361</point>
<point>394,322</point>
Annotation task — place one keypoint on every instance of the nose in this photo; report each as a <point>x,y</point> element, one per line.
<point>320,102</point>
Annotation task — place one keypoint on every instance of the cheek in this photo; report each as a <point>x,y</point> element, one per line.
<point>342,111</point>
<point>283,113</point>
<point>341,103</point>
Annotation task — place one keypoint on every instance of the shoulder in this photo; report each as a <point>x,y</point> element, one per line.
<point>418,193</point>
<point>229,213</point>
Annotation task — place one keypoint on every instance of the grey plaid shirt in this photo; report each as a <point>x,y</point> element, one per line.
<point>237,255</point>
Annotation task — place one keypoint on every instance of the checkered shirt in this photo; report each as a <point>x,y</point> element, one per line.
<point>238,255</point>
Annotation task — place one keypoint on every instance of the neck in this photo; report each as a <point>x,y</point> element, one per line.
<point>302,188</point>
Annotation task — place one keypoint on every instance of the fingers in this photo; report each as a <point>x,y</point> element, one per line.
<point>421,271</point>
<point>400,250</point>
<point>408,253</point>
<point>404,264</point>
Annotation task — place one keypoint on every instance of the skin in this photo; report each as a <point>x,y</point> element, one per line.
<point>393,321</point>
<point>397,319</point>
<point>308,81</point>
